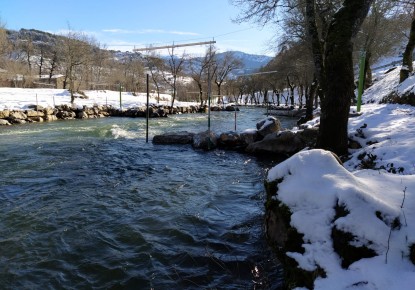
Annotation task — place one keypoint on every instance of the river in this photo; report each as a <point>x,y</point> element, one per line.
<point>88,204</point>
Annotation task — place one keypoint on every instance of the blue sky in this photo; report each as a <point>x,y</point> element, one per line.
<point>125,24</point>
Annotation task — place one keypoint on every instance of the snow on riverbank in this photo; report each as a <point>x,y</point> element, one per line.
<point>377,188</point>
<point>20,99</point>
<point>314,182</point>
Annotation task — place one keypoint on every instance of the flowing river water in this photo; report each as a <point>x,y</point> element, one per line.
<point>90,205</point>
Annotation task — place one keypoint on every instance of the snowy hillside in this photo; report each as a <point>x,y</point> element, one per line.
<point>370,198</point>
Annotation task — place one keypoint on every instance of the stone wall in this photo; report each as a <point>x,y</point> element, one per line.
<point>66,112</point>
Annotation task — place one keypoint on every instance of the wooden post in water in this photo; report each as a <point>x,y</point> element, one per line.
<point>120,98</point>
<point>148,110</point>
<point>235,117</point>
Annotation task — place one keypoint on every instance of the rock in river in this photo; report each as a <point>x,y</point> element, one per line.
<point>182,137</point>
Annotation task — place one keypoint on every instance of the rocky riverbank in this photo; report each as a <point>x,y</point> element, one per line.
<point>268,139</point>
<point>65,112</point>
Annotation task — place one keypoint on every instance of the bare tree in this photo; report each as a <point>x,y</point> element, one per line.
<point>155,65</point>
<point>5,45</point>
<point>332,49</point>
<point>381,31</point>
<point>25,44</point>
<point>133,72</point>
<point>175,66</point>
<point>54,61</point>
<point>199,70</point>
<point>76,51</point>
<point>100,61</point>
<point>223,67</point>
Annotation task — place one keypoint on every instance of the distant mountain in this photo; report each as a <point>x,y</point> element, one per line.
<point>36,36</point>
<point>251,62</point>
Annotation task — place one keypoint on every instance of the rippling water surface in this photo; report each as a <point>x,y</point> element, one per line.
<point>90,205</point>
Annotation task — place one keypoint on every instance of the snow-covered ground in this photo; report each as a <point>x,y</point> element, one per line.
<point>20,99</point>
<point>314,182</point>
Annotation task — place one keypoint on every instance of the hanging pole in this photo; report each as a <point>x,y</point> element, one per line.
<point>173,46</point>
<point>361,79</point>
<point>148,110</point>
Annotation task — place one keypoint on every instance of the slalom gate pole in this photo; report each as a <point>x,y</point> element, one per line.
<point>148,110</point>
<point>120,98</point>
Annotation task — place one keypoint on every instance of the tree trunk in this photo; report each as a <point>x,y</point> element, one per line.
<point>339,76</point>
<point>174,93</point>
<point>41,64</point>
<point>316,45</point>
<point>265,97</point>
<point>201,96</point>
<point>310,101</point>
<point>220,98</point>
<point>407,66</point>
<point>291,86</point>
<point>368,71</point>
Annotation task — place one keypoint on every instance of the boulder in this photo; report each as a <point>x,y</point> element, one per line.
<point>231,108</point>
<point>37,119</point>
<point>4,114</point>
<point>88,111</point>
<point>268,126</point>
<point>161,112</point>
<point>206,140</point>
<point>182,137</point>
<point>17,121</point>
<point>31,113</point>
<point>249,136</point>
<point>17,115</point>
<point>49,111</point>
<point>309,136</point>
<point>278,143</point>
<point>66,115</point>
<point>82,115</point>
<point>4,122</point>
<point>103,113</point>
<point>36,107</point>
<point>231,140</point>
<point>51,118</point>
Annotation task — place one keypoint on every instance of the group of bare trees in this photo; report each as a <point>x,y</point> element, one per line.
<point>330,35</point>
<point>36,58</point>
<point>39,56</point>
<point>207,71</point>
<point>83,64</point>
